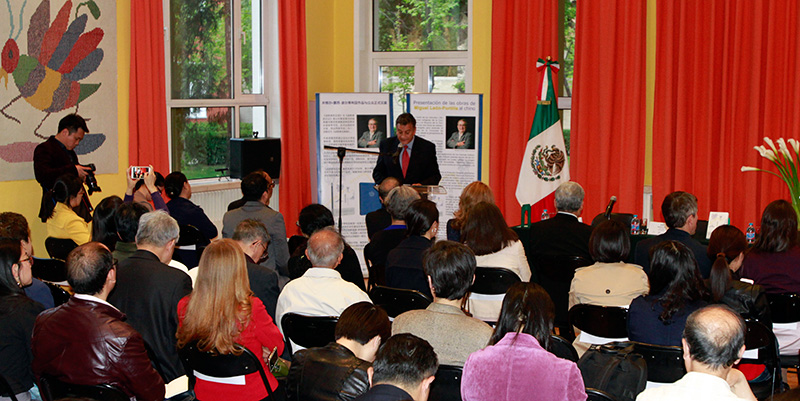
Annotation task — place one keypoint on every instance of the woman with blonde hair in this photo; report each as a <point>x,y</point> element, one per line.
<point>222,315</point>
<point>474,193</point>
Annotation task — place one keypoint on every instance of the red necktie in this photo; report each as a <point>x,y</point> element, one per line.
<point>405,160</point>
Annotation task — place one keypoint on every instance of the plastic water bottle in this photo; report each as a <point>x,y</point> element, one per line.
<point>750,234</point>
<point>545,216</point>
<point>635,224</point>
<point>643,227</point>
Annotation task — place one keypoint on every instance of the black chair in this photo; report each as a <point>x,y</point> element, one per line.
<point>555,274</point>
<point>593,394</point>
<point>217,365</point>
<point>52,389</point>
<point>6,390</point>
<point>447,385</point>
<point>664,363</point>
<point>60,295</point>
<point>493,280</point>
<point>785,308</point>
<point>190,245</point>
<point>309,331</point>
<point>396,300</point>
<point>562,348</point>
<point>59,248</point>
<point>601,321</point>
<point>759,337</point>
<point>53,270</point>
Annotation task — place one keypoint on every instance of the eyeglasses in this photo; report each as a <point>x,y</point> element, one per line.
<point>270,185</point>
<point>28,258</point>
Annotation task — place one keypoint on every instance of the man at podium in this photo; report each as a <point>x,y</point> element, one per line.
<point>410,159</point>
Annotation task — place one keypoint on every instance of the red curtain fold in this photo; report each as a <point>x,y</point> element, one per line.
<point>726,76</point>
<point>522,32</point>
<point>295,186</point>
<point>608,104</point>
<point>147,141</point>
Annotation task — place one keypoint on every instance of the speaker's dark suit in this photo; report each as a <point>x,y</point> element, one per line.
<point>422,166</point>
<point>561,235</point>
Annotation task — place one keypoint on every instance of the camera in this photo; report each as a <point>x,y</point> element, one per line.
<point>91,180</point>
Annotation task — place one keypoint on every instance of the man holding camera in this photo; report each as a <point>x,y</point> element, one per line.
<point>56,156</point>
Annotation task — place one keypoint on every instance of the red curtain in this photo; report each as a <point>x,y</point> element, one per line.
<point>147,142</point>
<point>295,186</point>
<point>726,76</point>
<point>522,32</point>
<point>608,104</point>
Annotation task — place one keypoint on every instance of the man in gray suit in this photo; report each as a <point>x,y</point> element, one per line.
<point>373,137</point>
<point>461,139</point>
<point>257,190</point>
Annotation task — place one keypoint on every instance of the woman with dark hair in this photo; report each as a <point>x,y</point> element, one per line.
<point>17,316</point>
<point>312,218</point>
<point>517,363</point>
<point>404,263</point>
<point>61,201</point>
<point>474,193</point>
<point>676,290</point>
<point>185,212</point>
<point>222,314</point>
<point>104,230</point>
<point>774,260</point>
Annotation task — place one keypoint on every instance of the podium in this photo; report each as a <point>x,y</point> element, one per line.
<point>426,190</point>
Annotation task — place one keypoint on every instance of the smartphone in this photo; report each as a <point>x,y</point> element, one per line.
<point>138,172</point>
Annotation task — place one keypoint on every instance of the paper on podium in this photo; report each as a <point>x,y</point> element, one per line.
<point>430,189</point>
<point>656,228</point>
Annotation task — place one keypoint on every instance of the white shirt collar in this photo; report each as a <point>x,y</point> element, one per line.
<point>92,298</point>
<point>568,214</point>
<point>322,272</point>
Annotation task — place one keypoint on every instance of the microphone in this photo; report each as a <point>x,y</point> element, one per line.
<point>610,206</point>
<point>396,154</point>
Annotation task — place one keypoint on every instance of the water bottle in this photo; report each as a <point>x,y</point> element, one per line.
<point>643,226</point>
<point>635,223</point>
<point>545,216</point>
<point>750,234</point>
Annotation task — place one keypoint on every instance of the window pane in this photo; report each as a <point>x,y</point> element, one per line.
<point>252,70</point>
<point>403,25</point>
<point>568,60</point>
<point>398,80</point>
<point>200,45</point>
<point>253,122</point>
<point>200,140</point>
<point>446,79</point>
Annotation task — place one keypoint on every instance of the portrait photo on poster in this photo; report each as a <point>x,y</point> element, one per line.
<point>460,132</point>
<point>371,129</point>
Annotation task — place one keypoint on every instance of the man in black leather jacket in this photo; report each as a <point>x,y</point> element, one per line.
<point>338,371</point>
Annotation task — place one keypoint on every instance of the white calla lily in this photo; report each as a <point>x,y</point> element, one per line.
<point>748,168</point>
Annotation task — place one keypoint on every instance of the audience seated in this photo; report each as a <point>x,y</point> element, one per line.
<point>321,291</point>
<point>485,231</point>
<point>378,248</point>
<point>253,238</point>
<point>86,341</point>
<point>17,315</point>
<point>379,219</point>
<point>221,314</point>
<point>126,220</point>
<point>516,364</point>
<point>404,262</point>
<point>713,341</point>
<point>104,230</point>
<point>676,290</point>
<point>474,193</point>
<point>62,221</point>
<point>404,369</point>
<point>338,371</point>
<point>312,218</point>
<point>680,214</point>
<point>185,212</point>
<point>148,290</point>
<point>563,234</point>
<point>15,227</point>
<point>257,189</point>
<point>450,268</point>
<point>146,191</point>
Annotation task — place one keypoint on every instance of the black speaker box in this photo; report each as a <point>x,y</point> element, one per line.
<point>248,155</point>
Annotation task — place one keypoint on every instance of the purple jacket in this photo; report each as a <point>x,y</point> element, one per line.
<point>518,368</point>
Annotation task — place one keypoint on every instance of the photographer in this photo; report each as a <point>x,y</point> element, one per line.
<point>56,156</point>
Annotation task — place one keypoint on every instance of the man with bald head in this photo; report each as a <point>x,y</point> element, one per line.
<point>713,341</point>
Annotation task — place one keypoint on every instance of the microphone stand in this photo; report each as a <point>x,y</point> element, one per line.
<point>341,152</point>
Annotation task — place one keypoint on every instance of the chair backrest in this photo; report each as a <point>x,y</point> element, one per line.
<point>190,235</point>
<point>396,300</point>
<point>59,248</point>
<point>493,280</point>
<point>309,331</point>
<point>624,218</point>
<point>559,268</point>
<point>562,348</point>
<point>601,321</point>
<point>54,270</point>
<point>593,394</point>
<point>759,337</point>
<point>60,295</point>
<point>52,389</point>
<point>664,363</point>
<point>447,385</point>
<point>221,366</point>
<point>784,308</point>
<point>6,390</point>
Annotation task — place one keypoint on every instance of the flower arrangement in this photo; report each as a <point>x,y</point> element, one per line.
<point>787,161</point>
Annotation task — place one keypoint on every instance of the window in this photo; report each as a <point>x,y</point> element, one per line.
<point>218,85</point>
<point>413,46</point>
<point>567,62</point>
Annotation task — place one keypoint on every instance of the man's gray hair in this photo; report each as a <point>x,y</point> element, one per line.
<point>250,230</point>
<point>324,247</point>
<point>157,229</point>
<point>569,197</point>
<point>398,201</point>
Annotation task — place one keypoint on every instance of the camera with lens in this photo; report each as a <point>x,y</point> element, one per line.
<point>91,180</point>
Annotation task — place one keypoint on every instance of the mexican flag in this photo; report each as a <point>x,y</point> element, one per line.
<point>544,163</point>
